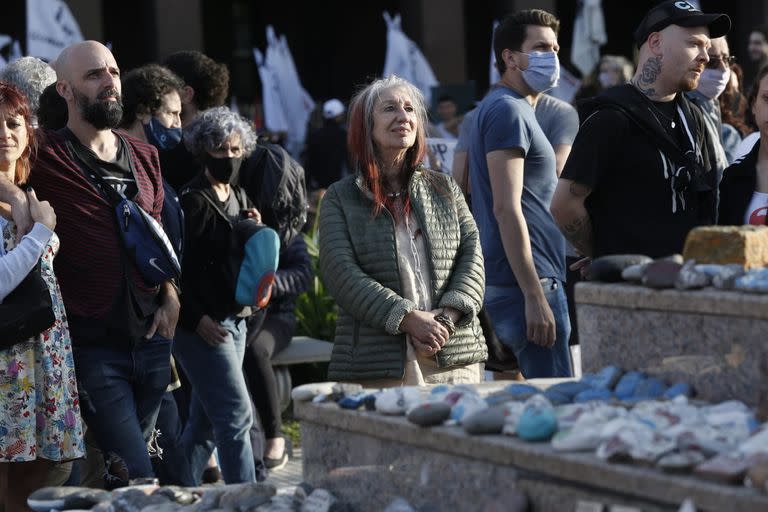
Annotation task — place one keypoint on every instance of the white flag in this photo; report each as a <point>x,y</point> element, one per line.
<point>287,106</point>
<point>274,117</point>
<point>50,28</point>
<point>588,36</point>
<point>404,59</point>
<point>297,103</point>
<point>494,71</point>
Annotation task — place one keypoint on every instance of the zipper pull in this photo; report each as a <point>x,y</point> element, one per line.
<point>126,215</point>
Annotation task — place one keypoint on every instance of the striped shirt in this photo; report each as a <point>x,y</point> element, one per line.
<point>88,265</point>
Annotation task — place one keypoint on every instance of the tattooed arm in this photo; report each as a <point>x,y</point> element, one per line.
<point>571,215</point>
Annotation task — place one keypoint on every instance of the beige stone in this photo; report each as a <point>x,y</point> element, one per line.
<point>744,245</point>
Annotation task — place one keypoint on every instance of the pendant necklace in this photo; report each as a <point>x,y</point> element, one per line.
<point>655,109</point>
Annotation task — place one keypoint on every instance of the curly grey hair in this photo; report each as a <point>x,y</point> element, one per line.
<point>213,127</point>
<point>31,75</point>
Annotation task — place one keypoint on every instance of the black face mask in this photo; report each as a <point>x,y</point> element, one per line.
<point>222,169</point>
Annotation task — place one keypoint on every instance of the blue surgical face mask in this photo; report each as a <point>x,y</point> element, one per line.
<point>543,71</point>
<point>160,136</point>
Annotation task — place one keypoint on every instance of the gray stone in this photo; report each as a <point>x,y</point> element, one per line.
<point>634,273</point>
<point>246,496</point>
<point>319,501</point>
<point>49,498</point>
<point>210,498</point>
<point>680,462</point>
<point>307,392</point>
<point>661,274</point>
<point>690,278</point>
<point>279,503</point>
<point>726,278</point>
<point>177,494</point>
<point>486,421</point>
<point>86,499</point>
<point>135,500</point>
<point>163,507</point>
<point>399,505</point>
<point>608,269</point>
<point>429,414</point>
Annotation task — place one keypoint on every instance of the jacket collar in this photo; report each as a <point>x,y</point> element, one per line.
<point>746,166</point>
<point>412,182</point>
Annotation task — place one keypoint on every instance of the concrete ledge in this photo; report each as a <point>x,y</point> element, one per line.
<point>303,349</point>
<point>572,474</point>
<point>707,301</point>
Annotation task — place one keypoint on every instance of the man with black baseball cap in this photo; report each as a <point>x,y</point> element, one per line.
<point>639,176</point>
<point>682,14</point>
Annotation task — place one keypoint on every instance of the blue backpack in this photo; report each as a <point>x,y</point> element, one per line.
<point>173,219</point>
<point>252,256</point>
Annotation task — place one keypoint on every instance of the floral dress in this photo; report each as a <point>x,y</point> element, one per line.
<point>39,405</point>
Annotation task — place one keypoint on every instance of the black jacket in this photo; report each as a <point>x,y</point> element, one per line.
<point>739,180</point>
<point>207,237</point>
<point>292,278</point>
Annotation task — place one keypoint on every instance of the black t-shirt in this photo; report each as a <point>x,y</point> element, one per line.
<point>132,309</point>
<point>231,206</point>
<point>117,173</point>
<point>633,205</point>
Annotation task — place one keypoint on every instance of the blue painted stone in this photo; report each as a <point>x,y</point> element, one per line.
<point>628,384</point>
<point>522,389</point>
<point>649,388</point>
<point>591,395</point>
<point>570,388</point>
<point>558,398</point>
<point>680,388</point>
<point>537,424</point>
<point>607,377</point>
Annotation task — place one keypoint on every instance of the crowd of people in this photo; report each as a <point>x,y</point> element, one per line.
<point>425,269</point>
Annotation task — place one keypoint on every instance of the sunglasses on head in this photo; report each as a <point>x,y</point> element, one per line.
<point>716,62</point>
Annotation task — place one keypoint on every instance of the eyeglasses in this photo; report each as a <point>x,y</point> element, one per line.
<point>716,62</point>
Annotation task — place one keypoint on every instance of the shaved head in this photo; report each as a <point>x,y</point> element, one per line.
<point>89,80</point>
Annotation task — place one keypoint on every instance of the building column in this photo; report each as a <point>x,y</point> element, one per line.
<point>443,39</point>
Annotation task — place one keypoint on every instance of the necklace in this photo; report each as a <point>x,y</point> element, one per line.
<point>655,110</point>
<point>396,194</point>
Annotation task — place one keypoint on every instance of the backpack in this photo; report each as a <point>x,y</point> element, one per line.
<point>274,181</point>
<point>252,256</point>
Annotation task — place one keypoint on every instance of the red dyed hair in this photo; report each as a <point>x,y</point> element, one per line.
<point>362,151</point>
<point>13,102</point>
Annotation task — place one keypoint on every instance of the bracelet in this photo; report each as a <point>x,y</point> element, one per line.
<point>446,322</point>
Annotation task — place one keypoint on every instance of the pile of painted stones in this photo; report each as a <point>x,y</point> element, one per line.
<point>261,497</point>
<point>673,272</point>
<point>622,417</point>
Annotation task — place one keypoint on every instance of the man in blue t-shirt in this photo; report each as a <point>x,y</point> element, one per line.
<point>513,176</point>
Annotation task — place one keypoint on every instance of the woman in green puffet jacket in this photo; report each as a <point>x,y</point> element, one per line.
<point>400,253</point>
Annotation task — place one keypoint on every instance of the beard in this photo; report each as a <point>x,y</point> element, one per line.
<point>101,114</point>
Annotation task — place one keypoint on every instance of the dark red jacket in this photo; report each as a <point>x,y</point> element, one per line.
<point>89,267</point>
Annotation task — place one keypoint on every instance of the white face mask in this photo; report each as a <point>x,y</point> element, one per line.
<point>713,82</point>
<point>607,79</point>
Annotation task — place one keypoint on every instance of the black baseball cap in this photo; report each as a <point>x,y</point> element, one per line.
<point>682,14</point>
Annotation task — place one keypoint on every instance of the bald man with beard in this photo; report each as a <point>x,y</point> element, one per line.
<point>121,327</point>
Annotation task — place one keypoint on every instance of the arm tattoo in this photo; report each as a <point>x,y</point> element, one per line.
<point>579,233</point>
<point>648,76</point>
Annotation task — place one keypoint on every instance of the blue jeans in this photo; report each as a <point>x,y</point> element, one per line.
<point>220,407</point>
<point>506,307</point>
<point>120,394</point>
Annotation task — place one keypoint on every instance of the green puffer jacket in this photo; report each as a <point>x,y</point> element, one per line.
<point>359,266</point>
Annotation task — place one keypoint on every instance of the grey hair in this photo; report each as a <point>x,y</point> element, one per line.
<point>620,64</point>
<point>31,75</point>
<point>213,127</point>
<point>367,99</point>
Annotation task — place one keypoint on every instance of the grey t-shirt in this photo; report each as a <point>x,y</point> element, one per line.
<point>505,120</point>
<point>558,120</point>
<point>462,143</point>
